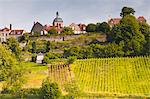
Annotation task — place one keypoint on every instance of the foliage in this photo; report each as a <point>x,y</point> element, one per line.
<point>72,51</point>
<point>52,31</point>
<point>52,55</point>
<point>13,44</point>
<point>10,71</point>
<point>95,51</point>
<point>34,56</point>
<point>45,60</point>
<point>91,28</point>
<point>29,91</point>
<point>103,27</point>
<point>71,59</point>
<point>34,47</point>
<point>47,46</point>
<point>127,11</point>
<point>145,29</point>
<point>36,34</point>
<point>49,90</point>
<point>73,90</point>
<point>24,37</point>
<point>67,31</point>
<point>128,31</point>
<point>7,62</point>
<point>15,80</point>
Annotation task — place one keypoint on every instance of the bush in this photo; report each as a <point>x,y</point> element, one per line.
<point>71,59</point>
<point>45,60</point>
<point>49,90</point>
<point>34,56</point>
<point>52,55</point>
<point>73,90</point>
<point>27,92</point>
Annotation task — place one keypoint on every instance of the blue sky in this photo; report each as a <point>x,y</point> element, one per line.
<point>22,13</point>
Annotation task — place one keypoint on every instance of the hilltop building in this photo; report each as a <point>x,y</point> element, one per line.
<point>39,28</point>
<point>78,28</point>
<point>6,33</point>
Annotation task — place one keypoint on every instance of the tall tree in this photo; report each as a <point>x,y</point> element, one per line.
<point>145,29</point>
<point>127,11</point>
<point>128,31</point>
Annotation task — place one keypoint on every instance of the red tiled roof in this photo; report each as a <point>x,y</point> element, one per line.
<point>16,32</point>
<point>114,21</point>
<point>47,28</point>
<point>141,19</point>
<point>5,29</point>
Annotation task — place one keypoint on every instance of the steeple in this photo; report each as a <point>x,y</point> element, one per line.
<point>57,14</point>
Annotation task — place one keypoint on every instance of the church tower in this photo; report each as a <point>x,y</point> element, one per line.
<point>58,22</point>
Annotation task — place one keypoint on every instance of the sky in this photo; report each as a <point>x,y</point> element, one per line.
<point>22,13</point>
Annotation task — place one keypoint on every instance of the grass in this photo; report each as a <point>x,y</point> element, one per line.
<point>38,73</point>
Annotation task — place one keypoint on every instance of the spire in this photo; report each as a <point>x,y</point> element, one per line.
<point>57,14</point>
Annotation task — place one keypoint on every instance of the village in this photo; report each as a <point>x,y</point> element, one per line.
<point>58,25</point>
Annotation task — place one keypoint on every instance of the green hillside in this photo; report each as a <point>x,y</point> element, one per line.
<point>124,76</point>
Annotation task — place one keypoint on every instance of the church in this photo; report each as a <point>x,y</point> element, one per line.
<point>57,25</point>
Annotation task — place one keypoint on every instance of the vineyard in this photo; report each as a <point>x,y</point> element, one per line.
<point>117,76</point>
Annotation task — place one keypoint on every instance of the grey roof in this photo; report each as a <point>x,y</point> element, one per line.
<point>37,27</point>
<point>58,20</point>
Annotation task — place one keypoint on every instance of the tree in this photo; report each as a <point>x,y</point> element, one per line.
<point>91,28</point>
<point>7,62</point>
<point>24,37</point>
<point>13,44</point>
<point>128,31</point>
<point>49,90</point>
<point>127,11</point>
<point>72,89</point>
<point>145,29</point>
<point>52,31</point>
<point>15,80</point>
<point>67,31</point>
<point>104,27</point>
<point>47,46</point>
<point>10,71</point>
<point>34,47</point>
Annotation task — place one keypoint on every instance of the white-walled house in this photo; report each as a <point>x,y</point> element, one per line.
<point>4,34</point>
<point>39,58</point>
<point>78,28</point>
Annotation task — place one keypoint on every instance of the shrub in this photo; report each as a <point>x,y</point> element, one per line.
<point>49,90</point>
<point>71,59</point>
<point>45,60</point>
<point>34,56</point>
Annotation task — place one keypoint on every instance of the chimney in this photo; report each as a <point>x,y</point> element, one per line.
<point>10,26</point>
<point>34,23</point>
